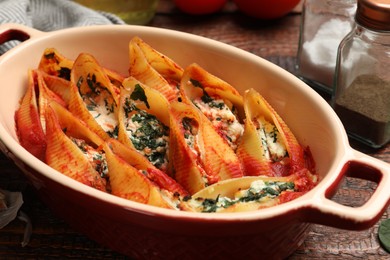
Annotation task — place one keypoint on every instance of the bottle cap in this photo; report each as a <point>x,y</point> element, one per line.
<point>374,14</point>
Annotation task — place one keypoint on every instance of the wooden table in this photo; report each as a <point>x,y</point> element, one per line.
<point>276,41</point>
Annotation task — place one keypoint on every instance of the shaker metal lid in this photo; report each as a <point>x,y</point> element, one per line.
<point>374,14</point>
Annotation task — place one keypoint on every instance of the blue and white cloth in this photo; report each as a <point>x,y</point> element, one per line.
<point>50,15</point>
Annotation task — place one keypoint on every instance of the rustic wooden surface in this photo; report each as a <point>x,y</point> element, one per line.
<point>275,41</point>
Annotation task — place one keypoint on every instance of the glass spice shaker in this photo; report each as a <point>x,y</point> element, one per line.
<point>361,95</point>
<point>324,24</point>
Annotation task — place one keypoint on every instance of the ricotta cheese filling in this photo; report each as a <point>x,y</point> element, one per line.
<point>222,118</point>
<point>190,128</point>
<point>97,158</point>
<point>274,148</point>
<point>149,136</point>
<point>100,105</point>
<point>104,115</point>
<point>258,192</point>
<point>190,134</point>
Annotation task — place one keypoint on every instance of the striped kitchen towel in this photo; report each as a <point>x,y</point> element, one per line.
<point>50,15</point>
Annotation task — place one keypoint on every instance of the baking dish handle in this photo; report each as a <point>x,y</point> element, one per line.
<point>13,31</point>
<point>327,212</point>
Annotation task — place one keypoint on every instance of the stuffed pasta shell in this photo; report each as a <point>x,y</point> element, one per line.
<point>144,122</point>
<point>133,177</point>
<point>200,157</point>
<point>154,69</point>
<point>249,193</point>
<point>217,100</point>
<point>268,146</point>
<point>93,97</point>
<point>73,149</point>
<point>28,124</point>
<point>54,63</point>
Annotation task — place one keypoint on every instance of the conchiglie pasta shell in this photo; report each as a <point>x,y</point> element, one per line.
<point>87,71</point>
<point>196,81</point>
<point>250,150</point>
<point>115,78</point>
<point>217,100</point>
<point>129,183</point>
<point>129,154</point>
<point>251,153</point>
<point>54,63</point>
<point>142,70</point>
<point>228,188</point>
<point>45,96</point>
<point>155,104</point>
<point>138,161</point>
<point>215,160</point>
<point>294,148</point>
<point>58,85</point>
<point>27,120</point>
<point>78,108</point>
<point>86,67</point>
<point>73,126</point>
<point>64,155</point>
<point>169,69</point>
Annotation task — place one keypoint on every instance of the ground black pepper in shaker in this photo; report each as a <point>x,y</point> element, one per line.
<point>361,95</point>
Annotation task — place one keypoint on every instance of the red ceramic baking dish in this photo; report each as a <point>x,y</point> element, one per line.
<point>148,232</point>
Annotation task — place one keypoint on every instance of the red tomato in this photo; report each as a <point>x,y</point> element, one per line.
<point>266,9</point>
<point>199,7</point>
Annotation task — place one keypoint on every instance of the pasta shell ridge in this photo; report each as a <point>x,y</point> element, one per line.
<point>144,122</point>
<point>165,66</point>
<point>65,155</point>
<point>28,122</point>
<point>138,161</point>
<point>90,77</point>
<point>142,70</point>
<point>278,150</point>
<point>130,183</point>
<point>54,63</point>
<point>93,98</point>
<point>196,81</point>
<point>45,96</point>
<point>197,145</point>
<point>58,85</point>
<point>80,110</point>
<point>220,102</point>
<point>186,164</point>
